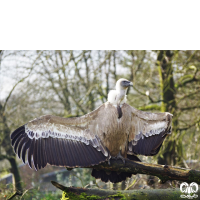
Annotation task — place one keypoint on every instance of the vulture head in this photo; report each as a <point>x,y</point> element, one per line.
<point>123,84</point>
<point>118,97</point>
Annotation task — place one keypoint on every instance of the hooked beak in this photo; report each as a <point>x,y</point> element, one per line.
<point>130,84</point>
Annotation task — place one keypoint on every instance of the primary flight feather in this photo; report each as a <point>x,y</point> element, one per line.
<point>114,130</point>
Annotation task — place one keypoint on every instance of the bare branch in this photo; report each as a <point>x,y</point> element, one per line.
<point>4,106</point>
<point>189,108</point>
<point>189,126</point>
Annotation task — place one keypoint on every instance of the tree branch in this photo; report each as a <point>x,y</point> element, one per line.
<point>2,157</point>
<point>163,172</point>
<point>83,193</point>
<point>188,108</point>
<point>189,126</point>
<point>8,97</point>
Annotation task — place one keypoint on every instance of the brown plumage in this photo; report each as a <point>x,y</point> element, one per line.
<point>115,129</point>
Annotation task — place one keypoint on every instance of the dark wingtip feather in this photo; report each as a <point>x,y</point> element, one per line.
<point>30,152</point>
<point>17,142</point>
<point>19,130</point>
<point>35,155</point>
<point>21,144</point>
<point>25,147</point>
<point>149,146</point>
<point>14,140</point>
<point>39,153</point>
<point>44,160</point>
<point>55,151</point>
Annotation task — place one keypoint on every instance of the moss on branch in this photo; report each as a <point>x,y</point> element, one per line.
<point>73,193</point>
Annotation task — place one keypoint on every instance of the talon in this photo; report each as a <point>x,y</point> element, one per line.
<point>119,156</point>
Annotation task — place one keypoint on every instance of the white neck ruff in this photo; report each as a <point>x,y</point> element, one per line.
<point>117,98</point>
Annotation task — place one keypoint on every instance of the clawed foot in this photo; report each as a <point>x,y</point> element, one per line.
<point>119,156</point>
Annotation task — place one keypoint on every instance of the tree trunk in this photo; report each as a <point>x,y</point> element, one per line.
<point>16,176</point>
<point>6,144</point>
<point>168,103</point>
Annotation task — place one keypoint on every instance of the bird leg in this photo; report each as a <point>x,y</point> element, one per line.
<point>119,156</point>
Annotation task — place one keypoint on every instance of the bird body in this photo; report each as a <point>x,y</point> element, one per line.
<point>115,129</point>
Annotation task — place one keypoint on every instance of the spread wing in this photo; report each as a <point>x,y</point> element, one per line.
<point>148,131</point>
<point>69,142</point>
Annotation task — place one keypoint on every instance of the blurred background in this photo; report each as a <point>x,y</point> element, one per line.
<point>73,83</point>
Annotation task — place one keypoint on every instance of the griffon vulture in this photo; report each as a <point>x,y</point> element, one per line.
<point>114,130</point>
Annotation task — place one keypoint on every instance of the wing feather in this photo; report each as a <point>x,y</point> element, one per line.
<point>17,132</point>
<point>86,158</point>
<point>17,142</point>
<point>24,150</point>
<point>50,151</point>
<point>16,136</point>
<point>68,152</point>
<point>35,155</point>
<point>30,152</point>
<point>149,146</point>
<point>148,131</point>
<point>62,150</point>
<point>70,142</point>
<point>21,143</point>
<point>44,153</point>
<point>77,147</point>
<point>39,153</point>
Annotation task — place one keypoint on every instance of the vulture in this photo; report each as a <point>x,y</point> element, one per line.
<point>115,130</point>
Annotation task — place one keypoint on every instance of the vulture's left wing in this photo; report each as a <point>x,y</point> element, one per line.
<point>148,131</point>
<point>70,142</point>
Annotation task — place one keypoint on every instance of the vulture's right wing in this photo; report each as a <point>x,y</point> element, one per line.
<point>69,142</point>
<point>148,131</point>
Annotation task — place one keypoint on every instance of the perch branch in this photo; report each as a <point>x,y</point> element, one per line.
<point>163,172</point>
<point>83,193</point>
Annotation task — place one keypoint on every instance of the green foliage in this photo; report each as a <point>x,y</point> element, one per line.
<point>71,196</point>
<point>118,195</point>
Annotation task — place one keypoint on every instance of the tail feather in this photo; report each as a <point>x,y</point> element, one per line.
<point>111,176</point>
<point>133,157</point>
